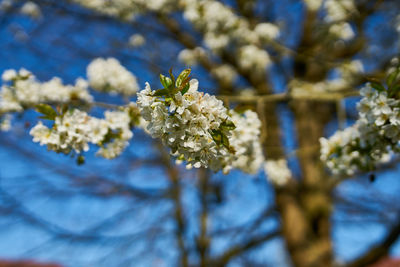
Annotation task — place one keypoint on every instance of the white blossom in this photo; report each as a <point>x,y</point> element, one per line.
<point>338,10</point>
<point>31,9</point>
<point>137,40</point>
<point>313,5</point>
<point>216,41</point>
<point>245,140</point>
<point>222,27</point>
<point>252,57</point>
<point>370,140</point>
<point>108,75</point>
<point>225,73</point>
<point>27,91</point>
<point>342,30</point>
<point>186,123</point>
<point>277,171</point>
<point>126,9</point>
<point>113,149</point>
<point>191,56</point>
<point>9,75</point>
<point>266,31</point>
<point>191,125</point>
<point>69,133</point>
<point>75,130</point>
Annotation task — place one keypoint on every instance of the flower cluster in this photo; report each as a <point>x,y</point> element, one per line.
<point>22,90</point>
<point>277,171</point>
<point>191,56</point>
<point>251,57</point>
<point>199,129</point>
<point>125,9</point>
<point>347,74</point>
<point>221,26</point>
<point>225,73</point>
<point>245,140</point>
<point>342,30</point>
<point>108,75</point>
<point>74,130</point>
<point>119,123</point>
<point>193,125</point>
<point>337,12</point>
<point>374,136</point>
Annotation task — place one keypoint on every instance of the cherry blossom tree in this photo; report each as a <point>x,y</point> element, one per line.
<point>208,91</point>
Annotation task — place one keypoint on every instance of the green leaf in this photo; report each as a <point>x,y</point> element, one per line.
<point>225,141</point>
<point>392,77</point>
<point>185,89</point>
<point>228,125</point>
<point>64,109</point>
<point>377,86</point>
<point>217,136</point>
<point>110,136</point>
<point>182,77</point>
<point>161,92</point>
<point>165,81</point>
<point>221,139</point>
<point>46,110</point>
<point>394,90</point>
<point>172,76</point>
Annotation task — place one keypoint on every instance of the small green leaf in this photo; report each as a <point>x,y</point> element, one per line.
<point>172,76</point>
<point>225,140</point>
<point>165,81</point>
<point>225,143</point>
<point>110,136</point>
<point>182,77</point>
<point>217,136</point>
<point>221,139</point>
<point>394,90</point>
<point>64,109</point>
<point>80,160</point>
<point>161,92</point>
<point>377,86</point>
<point>228,125</point>
<point>46,110</point>
<point>392,77</point>
<point>185,89</point>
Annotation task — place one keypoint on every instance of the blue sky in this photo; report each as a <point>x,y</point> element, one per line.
<point>43,47</point>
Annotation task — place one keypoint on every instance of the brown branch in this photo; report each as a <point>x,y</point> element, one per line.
<point>236,250</point>
<point>379,250</point>
<point>176,193</point>
<point>203,241</point>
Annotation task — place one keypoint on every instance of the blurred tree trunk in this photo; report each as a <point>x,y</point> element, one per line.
<point>305,205</point>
